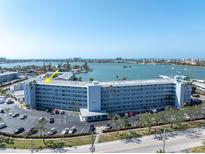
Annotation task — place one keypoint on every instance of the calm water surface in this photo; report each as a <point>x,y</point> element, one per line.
<point>109,71</point>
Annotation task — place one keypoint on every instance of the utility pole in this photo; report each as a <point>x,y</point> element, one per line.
<point>92,148</point>
<point>164,140</point>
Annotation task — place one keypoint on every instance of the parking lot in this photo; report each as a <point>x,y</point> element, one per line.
<point>68,120</point>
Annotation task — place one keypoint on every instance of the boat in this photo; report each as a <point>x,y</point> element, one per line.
<point>163,77</point>
<point>179,72</point>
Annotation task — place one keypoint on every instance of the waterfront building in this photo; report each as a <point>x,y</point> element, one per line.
<point>8,76</point>
<point>95,100</point>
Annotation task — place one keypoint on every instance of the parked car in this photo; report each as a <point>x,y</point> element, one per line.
<point>62,112</point>
<point>41,119</point>
<point>52,131</point>
<point>9,101</point>
<point>2,125</point>
<point>72,130</point>
<point>186,116</point>
<point>51,121</point>
<point>47,110</point>
<point>56,111</point>
<point>20,130</point>
<point>32,131</point>
<point>24,116</point>
<point>196,95</point>
<point>121,114</point>
<point>10,114</point>
<point>92,128</point>
<point>108,126</point>
<point>65,131</point>
<point>15,115</point>
<point>2,111</point>
<point>130,114</point>
<point>2,101</point>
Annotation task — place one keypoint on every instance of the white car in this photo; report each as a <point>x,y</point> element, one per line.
<point>10,114</point>
<point>186,116</point>
<point>52,131</point>
<point>24,116</point>
<point>9,101</point>
<point>72,130</point>
<point>2,101</point>
<point>2,125</point>
<point>41,119</point>
<point>65,131</point>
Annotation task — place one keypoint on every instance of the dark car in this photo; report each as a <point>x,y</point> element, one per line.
<point>56,111</point>
<point>51,121</point>
<point>62,112</point>
<point>32,131</point>
<point>108,126</point>
<point>15,115</point>
<point>121,114</point>
<point>20,130</point>
<point>41,119</point>
<point>47,110</point>
<point>2,111</point>
<point>92,128</point>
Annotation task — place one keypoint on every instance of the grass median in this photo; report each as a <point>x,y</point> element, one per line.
<point>111,136</point>
<point>39,144</point>
<point>199,149</point>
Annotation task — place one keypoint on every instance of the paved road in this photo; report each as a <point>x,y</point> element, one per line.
<point>175,142</point>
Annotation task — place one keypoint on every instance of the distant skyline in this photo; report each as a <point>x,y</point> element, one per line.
<point>102,28</point>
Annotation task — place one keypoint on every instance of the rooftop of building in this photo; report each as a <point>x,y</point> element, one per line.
<point>8,73</point>
<point>199,84</point>
<point>57,82</point>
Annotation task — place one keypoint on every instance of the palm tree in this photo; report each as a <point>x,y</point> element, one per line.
<point>91,79</point>
<point>146,120</point>
<point>7,111</point>
<point>179,117</point>
<point>41,127</point>
<point>124,78</point>
<point>170,116</point>
<point>80,78</point>
<point>110,96</point>
<point>68,66</point>
<point>86,67</point>
<point>156,118</point>
<point>2,91</point>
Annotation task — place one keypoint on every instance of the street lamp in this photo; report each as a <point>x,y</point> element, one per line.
<point>92,148</point>
<point>164,140</point>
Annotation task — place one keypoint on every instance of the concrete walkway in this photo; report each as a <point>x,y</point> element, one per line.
<point>98,132</point>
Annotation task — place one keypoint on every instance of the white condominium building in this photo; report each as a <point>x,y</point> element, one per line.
<point>96,99</point>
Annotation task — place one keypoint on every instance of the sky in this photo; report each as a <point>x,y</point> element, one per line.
<point>102,28</point>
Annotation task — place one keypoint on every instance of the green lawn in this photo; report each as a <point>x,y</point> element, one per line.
<point>144,131</point>
<point>38,143</point>
<point>200,149</point>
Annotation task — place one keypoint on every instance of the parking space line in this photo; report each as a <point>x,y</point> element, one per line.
<point>82,130</point>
